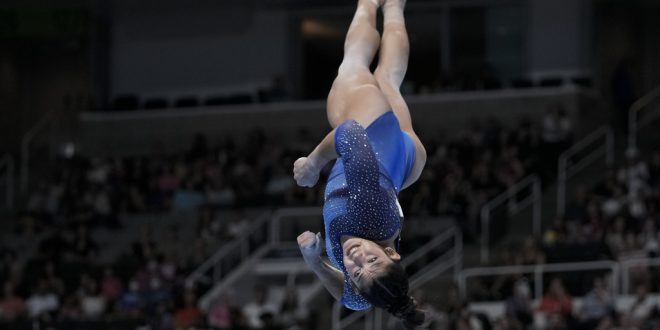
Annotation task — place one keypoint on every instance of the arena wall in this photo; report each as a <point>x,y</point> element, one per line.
<point>143,132</point>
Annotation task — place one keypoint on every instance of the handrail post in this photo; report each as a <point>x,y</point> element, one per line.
<point>625,278</point>
<point>485,233</point>
<point>538,200</point>
<point>458,252</point>
<point>336,316</point>
<point>616,269</point>
<point>561,184</point>
<point>462,285</point>
<point>275,227</point>
<point>8,161</point>
<point>378,319</point>
<point>632,129</point>
<point>609,155</point>
<point>369,320</point>
<point>25,150</point>
<point>538,282</point>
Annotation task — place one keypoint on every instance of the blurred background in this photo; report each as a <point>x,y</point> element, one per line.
<point>146,150</point>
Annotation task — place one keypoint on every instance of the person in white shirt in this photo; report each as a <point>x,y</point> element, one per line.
<point>258,307</point>
<point>42,301</point>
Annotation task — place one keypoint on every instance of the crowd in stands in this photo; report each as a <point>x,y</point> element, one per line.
<point>558,309</point>
<point>616,219</point>
<point>462,172</point>
<point>141,290</point>
<point>65,282</point>
<point>465,171</point>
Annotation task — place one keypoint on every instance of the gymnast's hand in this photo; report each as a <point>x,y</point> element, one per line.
<point>311,245</point>
<point>305,172</point>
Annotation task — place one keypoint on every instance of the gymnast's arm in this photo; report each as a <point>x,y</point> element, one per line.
<point>332,278</point>
<point>306,169</point>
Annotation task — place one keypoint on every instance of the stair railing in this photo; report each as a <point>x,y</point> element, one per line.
<point>26,142</point>
<point>7,163</point>
<point>531,183</point>
<point>636,110</point>
<point>566,168</point>
<point>373,319</point>
<point>214,269</point>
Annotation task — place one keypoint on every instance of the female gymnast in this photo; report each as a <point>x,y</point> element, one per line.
<point>378,154</point>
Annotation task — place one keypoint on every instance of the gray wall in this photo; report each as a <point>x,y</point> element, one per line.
<point>158,50</point>
<point>559,36</point>
<point>433,115</point>
<point>163,48</point>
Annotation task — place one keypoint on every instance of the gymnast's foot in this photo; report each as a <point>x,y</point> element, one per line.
<point>399,3</point>
<point>378,3</point>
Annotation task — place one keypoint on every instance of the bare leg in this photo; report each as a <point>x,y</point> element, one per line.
<point>392,66</point>
<point>393,60</point>
<point>355,93</point>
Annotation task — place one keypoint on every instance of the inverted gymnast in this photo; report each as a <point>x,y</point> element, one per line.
<point>361,213</point>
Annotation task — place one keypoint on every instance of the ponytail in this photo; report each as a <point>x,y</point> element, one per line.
<point>389,291</point>
<point>408,313</point>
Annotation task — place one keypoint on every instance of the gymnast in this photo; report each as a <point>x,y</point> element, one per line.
<point>378,154</point>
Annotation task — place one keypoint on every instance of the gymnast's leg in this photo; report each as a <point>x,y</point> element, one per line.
<point>355,93</point>
<point>392,67</point>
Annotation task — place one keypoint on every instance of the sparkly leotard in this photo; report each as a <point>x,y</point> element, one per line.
<point>361,194</point>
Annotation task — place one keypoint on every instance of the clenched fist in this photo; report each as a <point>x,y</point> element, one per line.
<point>305,172</point>
<point>310,244</point>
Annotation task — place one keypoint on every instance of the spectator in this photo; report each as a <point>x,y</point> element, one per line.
<point>111,286</point>
<point>188,315</point>
<point>291,310</point>
<point>158,295</point>
<point>92,303</point>
<point>53,281</point>
<point>84,247</point>
<point>641,308</point>
<point>519,310</point>
<point>556,136</point>
<point>12,307</point>
<point>220,313</point>
<point>259,306</point>
<point>597,307</point>
<point>187,198</point>
<point>42,301</point>
<point>556,304</point>
<point>434,317</point>
<point>131,302</point>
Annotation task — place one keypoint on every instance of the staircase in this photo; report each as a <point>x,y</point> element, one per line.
<point>450,243</point>
<point>268,254</point>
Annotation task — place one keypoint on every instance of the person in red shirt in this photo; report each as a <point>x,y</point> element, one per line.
<point>12,307</point>
<point>111,286</point>
<point>189,315</point>
<point>556,304</point>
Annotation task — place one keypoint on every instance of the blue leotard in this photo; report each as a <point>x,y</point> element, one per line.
<point>361,194</point>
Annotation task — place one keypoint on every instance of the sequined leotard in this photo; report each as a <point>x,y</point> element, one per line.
<point>361,194</point>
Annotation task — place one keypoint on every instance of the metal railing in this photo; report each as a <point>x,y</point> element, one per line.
<point>7,163</point>
<point>26,142</point>
<point>566,169</point>
<point>373,319</point>
<point>510,196</point>
<point>280,214</point>
<point>213,269</point>
<point>628,265</point>
<point>539,271</point>
<point>223,266</point>
<point>634,122</point>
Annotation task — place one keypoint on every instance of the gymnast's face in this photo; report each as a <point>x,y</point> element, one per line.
<point>364,259</point>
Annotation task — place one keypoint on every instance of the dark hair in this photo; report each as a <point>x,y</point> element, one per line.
<point>389,291</point>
